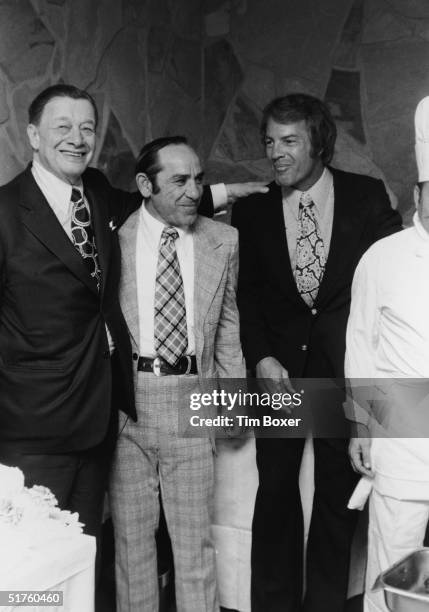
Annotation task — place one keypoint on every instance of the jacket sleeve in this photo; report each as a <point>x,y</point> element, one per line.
<point>228,356</point>
<point>362,339</point>
<point>251,280</point>
<point>206,205</point>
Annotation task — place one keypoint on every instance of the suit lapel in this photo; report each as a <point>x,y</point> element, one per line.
<point>348,222</point>
<point>128,288</point>
<point>276,238</point>
<point>209,266</point>
<point>41,221</point>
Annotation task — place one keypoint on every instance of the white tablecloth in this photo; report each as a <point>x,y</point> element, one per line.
<point>63,565</point>
<point>236,483</point>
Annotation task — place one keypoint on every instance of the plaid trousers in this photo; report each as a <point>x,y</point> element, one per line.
<point>151,453</point>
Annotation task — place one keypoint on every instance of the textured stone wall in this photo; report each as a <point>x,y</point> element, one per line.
<point>206,68</point>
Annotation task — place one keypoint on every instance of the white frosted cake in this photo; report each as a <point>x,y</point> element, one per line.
<point>30,516</point>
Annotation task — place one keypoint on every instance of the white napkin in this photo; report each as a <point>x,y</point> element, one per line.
<point>361,493</point>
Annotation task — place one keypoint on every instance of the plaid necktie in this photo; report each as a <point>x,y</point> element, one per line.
<point>171,337</point>
<point>310,252</point>
<point>83,234</point>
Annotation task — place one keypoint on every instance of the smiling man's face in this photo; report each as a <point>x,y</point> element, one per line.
<point>63,141</point>
<point>180,185</point>
<point>288,147</point>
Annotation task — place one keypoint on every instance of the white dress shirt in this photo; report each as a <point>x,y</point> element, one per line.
<point>58,195</point>
<point>147,249</point>
<point>388,338</point>
<point>219,197</point>
<point>322,194</point>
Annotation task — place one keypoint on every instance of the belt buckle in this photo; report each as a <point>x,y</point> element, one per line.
<point>156,366</point>
<point>189,364</point>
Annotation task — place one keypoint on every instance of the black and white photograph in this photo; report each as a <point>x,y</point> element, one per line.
<point>214,305</point>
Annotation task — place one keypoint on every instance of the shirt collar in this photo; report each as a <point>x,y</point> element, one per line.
<point>319,193</point>
<point>155,227</point>
<point>51,183</point>
<point>419,228</point>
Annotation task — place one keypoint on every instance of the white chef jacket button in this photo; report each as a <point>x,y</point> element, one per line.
<point>314,311</point>
<point>304,347</point>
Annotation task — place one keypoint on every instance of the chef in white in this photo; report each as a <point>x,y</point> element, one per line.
<point>388,340</point>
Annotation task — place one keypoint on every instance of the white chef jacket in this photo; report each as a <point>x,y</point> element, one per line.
<point>388,338</point>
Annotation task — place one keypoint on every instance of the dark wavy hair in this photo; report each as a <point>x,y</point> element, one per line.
<point>58,91</point>
<point>148,159</point>
<point>302,107</point>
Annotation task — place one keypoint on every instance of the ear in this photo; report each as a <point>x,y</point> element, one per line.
<point>144,185</point>
<point>33,136</point>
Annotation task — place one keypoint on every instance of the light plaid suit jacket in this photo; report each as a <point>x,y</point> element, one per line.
<point>216,324</point>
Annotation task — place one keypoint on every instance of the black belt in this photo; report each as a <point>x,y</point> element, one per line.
<point>160,367</point>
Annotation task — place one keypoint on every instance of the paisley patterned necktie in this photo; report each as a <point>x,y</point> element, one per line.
<point>310,252</point>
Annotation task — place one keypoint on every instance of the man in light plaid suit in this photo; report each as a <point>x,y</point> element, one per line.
<point>178,284</point>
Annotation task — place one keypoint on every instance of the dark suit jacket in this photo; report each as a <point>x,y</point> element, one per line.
<point>55,372</point>
<point>275,321</point>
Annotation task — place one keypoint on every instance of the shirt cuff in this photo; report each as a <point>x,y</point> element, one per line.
<point>220,196</point>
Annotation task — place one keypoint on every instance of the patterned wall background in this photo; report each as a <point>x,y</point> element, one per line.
<point>205,68</point>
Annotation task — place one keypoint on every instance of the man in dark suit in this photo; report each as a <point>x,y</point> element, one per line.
<point>299,246</point>
<point>61,327</point>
